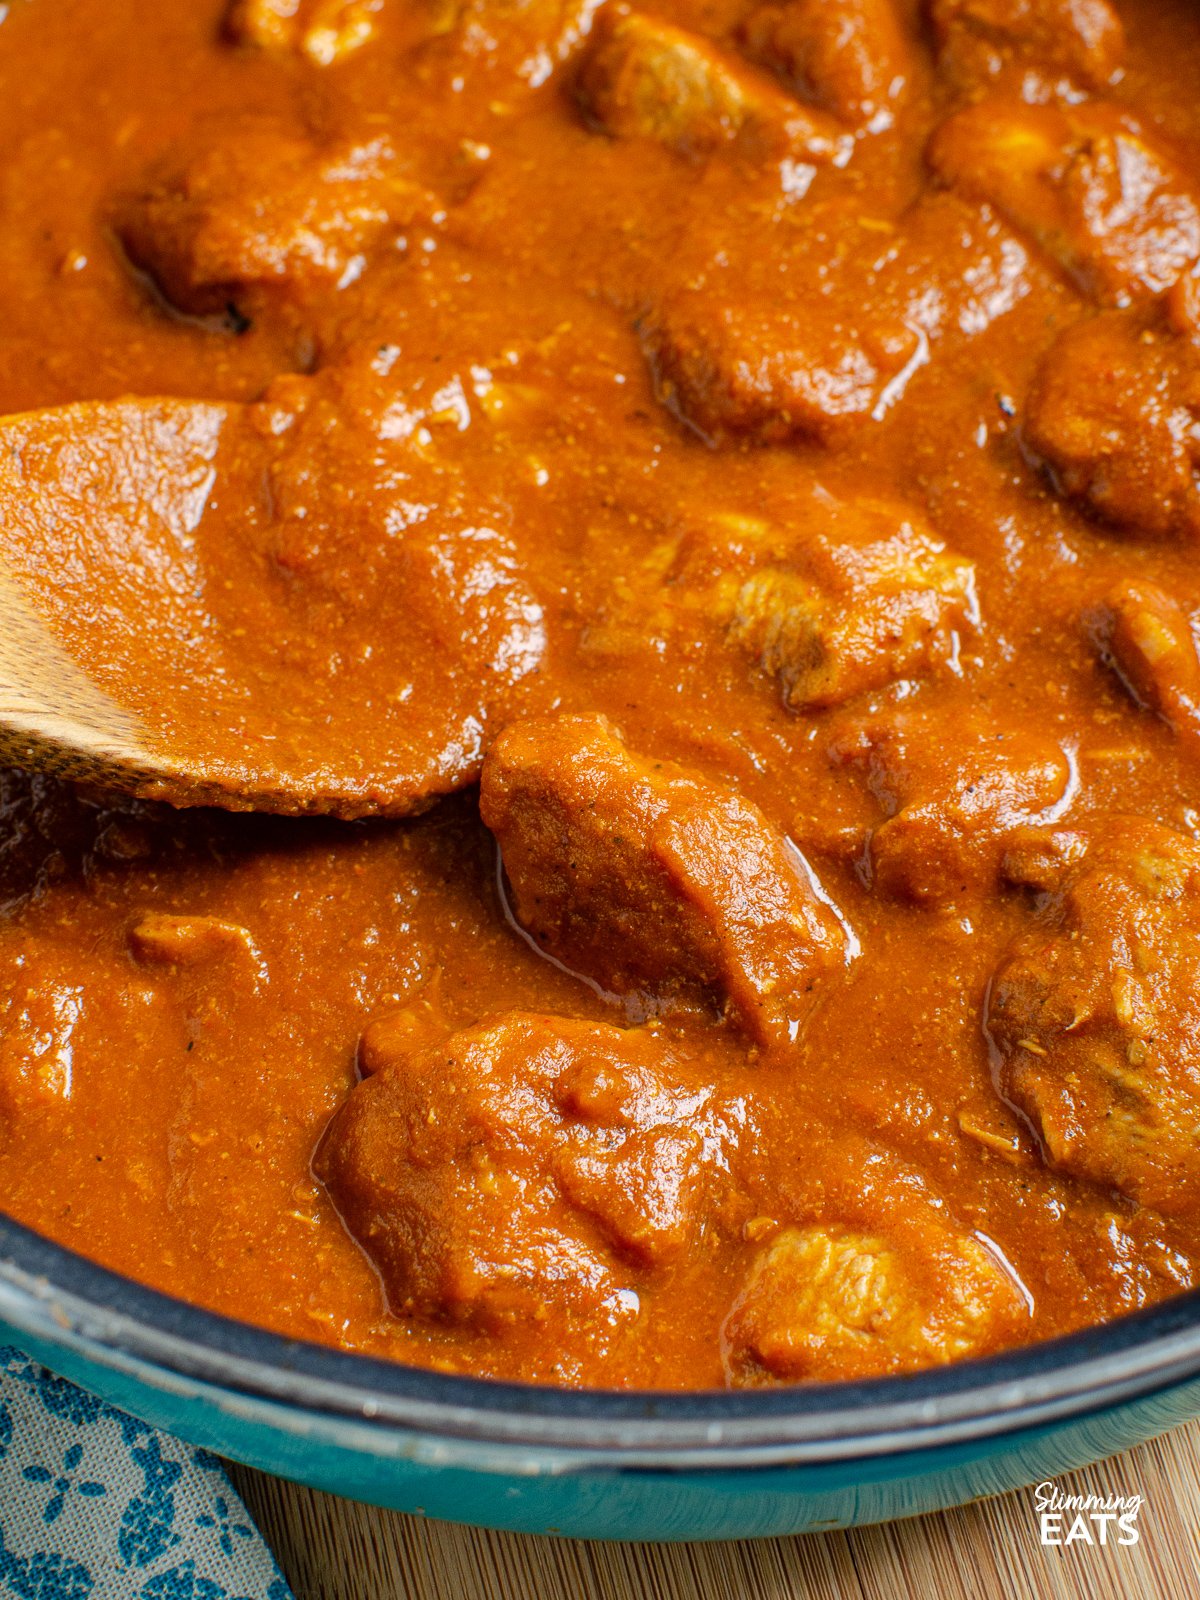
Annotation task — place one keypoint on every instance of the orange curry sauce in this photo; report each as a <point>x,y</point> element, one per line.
<point>766,434</point>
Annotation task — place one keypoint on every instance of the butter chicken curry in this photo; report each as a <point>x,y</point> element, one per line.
<point>723,474</point>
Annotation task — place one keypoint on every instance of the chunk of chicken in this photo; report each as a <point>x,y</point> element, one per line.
<point>654,881</point>
<point>1094,1016</point>
<point>828,599</point>
<point>1114,413</point>
<point>393,1035</point>
<point>734,367</point>
<point>68,1003</point>
<point>861,616</point>
<point>951,809</point>
<point>842,597</point>
<point>1093,189</point>
<point>531,1166</point>
<point>523,41</point>
<point>158,938</point>
<point>850,57</point>
<point>261,208</point>
<point>1040,857</point>
<point>772,334</point>
<point>832,597</point>
<point>1150,641</point>
<point>976,38</point>
<point>644,78</point>
<point>831,1302</point>
<point>982,270</point>
<point>40,1024</point>
<point>321,31</point>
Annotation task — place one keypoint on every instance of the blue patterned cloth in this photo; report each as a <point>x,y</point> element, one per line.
<point>95,1505</point>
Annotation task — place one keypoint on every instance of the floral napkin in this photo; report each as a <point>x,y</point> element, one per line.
<point>95,1505</point>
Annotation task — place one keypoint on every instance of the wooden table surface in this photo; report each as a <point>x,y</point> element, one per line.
<point>330,1549</point>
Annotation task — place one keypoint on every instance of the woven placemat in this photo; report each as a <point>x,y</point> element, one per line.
<point>330,1549</point>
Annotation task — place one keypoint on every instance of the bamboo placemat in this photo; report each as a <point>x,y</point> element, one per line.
<point>331,1549</point>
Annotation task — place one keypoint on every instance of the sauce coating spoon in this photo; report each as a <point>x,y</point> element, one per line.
<point>195,607</point>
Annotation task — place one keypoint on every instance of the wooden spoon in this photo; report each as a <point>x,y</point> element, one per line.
<point>167,629</point>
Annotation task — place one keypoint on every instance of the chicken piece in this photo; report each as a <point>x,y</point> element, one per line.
<point>40,1024</point>
<point>392,1036</point>
<point>1092,188</point>
<point>831,598</point>
<point>885,611</point>
<point>775,334</point>
<point>1094,1018</point>
<point>976,38</point>
<point>159,939</point>
<point>735,367</point>
<point>642,78</point>
<point>847,596</point>
<point>993,271</point>
<point>652,880</point>
<point>830,1301</point>
<point>261,208</point>
<point>1114,414</point>
<point>321,31</point>
<point>1040,857</point>
<point>1149,640</point>
<point>526,39</point>
<point>69,1003</point>
<point>850,57</point>
<point>950,809</point>
<point>528,1167</point>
